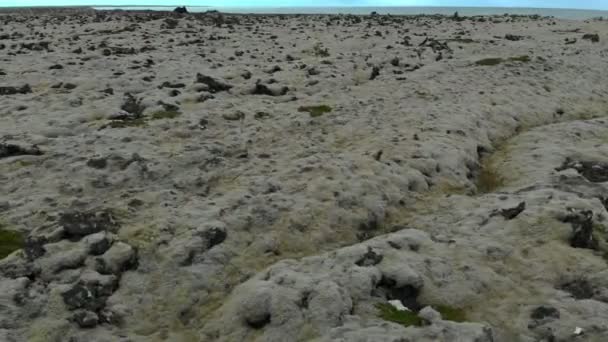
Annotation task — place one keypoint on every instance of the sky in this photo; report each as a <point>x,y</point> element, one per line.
<point>582,4</point>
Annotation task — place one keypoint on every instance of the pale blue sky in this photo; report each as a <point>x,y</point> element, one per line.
<point>583,4</point>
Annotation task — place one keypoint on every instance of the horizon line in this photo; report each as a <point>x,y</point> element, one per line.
<point>305,6</point>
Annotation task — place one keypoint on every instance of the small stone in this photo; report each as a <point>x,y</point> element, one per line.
<point>313,71</point>
<point>274,69</point>
<point>262,89</point>
<point>214,236</point>
<point>204,97</point>
<point>85,319</point>
<point>234,116</point>
<point>79,296</point>
<point>97,163</point>
<point>429,314</point>
<point>214,85</point>
<point>246,74</point>
<point>375,73</point>
<point>98,243</point>
<point>513,37</point>
<point>119,258</point>
<point>544,311</point>
<point>512,213</point>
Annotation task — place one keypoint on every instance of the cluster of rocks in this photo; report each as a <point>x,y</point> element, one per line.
<point>79,258</point>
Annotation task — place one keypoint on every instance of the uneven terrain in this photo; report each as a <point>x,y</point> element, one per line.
<point>212,177</point>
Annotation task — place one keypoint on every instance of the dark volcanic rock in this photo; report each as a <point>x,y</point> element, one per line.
<point>407,294</point>
<point>543,312</point>
<point>213,84</point>
<point>97,163</point>
<point>214,236</point>
<point>375,73</point>
<point>181,10</point>
<point>10,150</point>
<point>262,89</point>
<point>370,258</point>
<point>595,38</point>
<point>582,229</point>
<point>34,247</point>
<point>204,97</point>
<point>132,106</point>
<point>578,288</point>
<point>26,89</point>
<point>511,213</point>
<point>168,84</point>
<point>435,45</point>
<point>85,319</point>
<point>513,37</point>
<point>595,172</point>
<point>274,69</point>
<point>100,246</point>
<point>246,74</point>
<point>39,46</point>
<point>85,296</point>
<point>78,224</point>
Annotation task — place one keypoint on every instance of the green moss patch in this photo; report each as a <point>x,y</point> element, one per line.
<point>488,180</point>
<point>489,61</point>
<point>496,61</point>
<point>10,241</point>
<point>522,59</point>
<point>165,114</point>
<point>451,314</point>
<point>406,318</point>
<point>315,111</point>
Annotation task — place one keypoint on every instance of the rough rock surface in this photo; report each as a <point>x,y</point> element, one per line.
<point>169,188</point>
